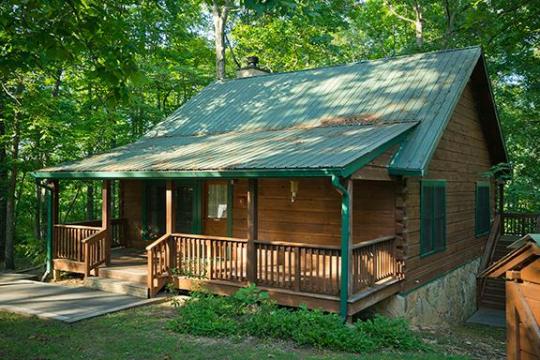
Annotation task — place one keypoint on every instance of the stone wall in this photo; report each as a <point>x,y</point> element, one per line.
<point>450,298</point>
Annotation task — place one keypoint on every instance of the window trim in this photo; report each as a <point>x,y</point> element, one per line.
<point>436,183</point>
<point>479,184</point>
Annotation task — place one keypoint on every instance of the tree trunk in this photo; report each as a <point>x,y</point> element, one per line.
<point>219,13</point>
<point>10,204</point>
<point>90,201</point>
<point>37,214</point>
<point>419,25</point>
<point>38,198</point>
<point>3,180</point>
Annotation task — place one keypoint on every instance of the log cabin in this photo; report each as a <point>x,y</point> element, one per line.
<point>339,188</point>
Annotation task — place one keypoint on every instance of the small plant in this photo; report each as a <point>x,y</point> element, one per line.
<point>251,312</point>
<point>190,269</point>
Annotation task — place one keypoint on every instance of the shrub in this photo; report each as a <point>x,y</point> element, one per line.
<point>209,315</point>
<point>251,312</point>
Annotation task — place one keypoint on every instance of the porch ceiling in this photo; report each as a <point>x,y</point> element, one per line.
<point>316,151</point>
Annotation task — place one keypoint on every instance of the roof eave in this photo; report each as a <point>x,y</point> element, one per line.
<point>244,173</point>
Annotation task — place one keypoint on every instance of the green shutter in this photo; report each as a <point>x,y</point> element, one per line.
<point>482,210</point>
<point>432,216</point>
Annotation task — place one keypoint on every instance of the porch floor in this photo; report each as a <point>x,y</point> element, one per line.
<point>126,264</point>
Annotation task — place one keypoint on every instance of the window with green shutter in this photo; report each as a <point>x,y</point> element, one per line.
<point>483,214</point>
<point>432,216</point>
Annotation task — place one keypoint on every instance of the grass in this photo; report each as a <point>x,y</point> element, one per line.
<point>143,333</point>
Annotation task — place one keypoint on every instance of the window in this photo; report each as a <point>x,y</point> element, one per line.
<point>432,216</point>
<point>217,201</point>
<point>483,214</point>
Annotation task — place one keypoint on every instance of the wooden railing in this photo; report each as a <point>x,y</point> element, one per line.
<point>95,251</point>
<point>118,229</point>
<point>524,337</point>
<point>211,257</point>
<point>373,261</point>
<point>520,224</point>
<point>68,239</point>
<point>159,263</point>
<point>298,267</point>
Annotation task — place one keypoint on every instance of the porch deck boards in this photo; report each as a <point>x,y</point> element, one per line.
<point>126,264</point>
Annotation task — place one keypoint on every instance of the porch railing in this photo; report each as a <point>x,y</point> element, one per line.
<point>299,267</point>
<point>520,224</point>
<point>68,241</point>
<point>281,265</point>
<point>118,229</point>
<point>215,258</point>
<point>373,261</point>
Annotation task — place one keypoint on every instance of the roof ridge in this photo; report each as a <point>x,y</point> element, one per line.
<point>390,58</point>
<point>297,127</point>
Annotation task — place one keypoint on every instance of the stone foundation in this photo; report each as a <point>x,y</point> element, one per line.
<point>449,298</point>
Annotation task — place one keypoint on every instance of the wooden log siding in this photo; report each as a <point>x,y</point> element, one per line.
<point>461,157</point>
<point>315,215</point>
<point>67,241</point>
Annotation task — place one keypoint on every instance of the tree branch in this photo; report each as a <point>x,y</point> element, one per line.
<point>393,12</point>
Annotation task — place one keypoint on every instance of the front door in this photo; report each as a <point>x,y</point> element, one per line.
<point>188,205</point>
<point>216,198</point>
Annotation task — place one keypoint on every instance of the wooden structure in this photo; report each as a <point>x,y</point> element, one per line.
<point>374,188</point>
<point>506,229</point>
<point>521,270</point>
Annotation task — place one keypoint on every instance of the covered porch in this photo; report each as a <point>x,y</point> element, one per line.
<point>271,254</point>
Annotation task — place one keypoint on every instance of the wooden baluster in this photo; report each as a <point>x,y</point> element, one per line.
<point>297,268</point>
<point>289,267</point>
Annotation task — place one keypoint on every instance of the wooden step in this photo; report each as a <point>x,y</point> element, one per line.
<point>117,286</point>
<point>492,304</point>
<point>129,273</point>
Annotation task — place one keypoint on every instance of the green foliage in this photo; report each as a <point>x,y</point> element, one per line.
<point>250,312</point>
<point>81,77</point>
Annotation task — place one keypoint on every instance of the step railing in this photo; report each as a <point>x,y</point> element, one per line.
<point>373,261</point>
<point>95,251</point>
<point>160,263</point>
<point>487,256</point>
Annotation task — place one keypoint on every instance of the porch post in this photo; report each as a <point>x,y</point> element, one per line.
<point>170,221</point>
<point>106,217</point>
<point>346,239</point>
<point>53,219</point>
<point>252,233</point>
<point>55,187</point>
<point>350,237</point>
<point>170,209</point>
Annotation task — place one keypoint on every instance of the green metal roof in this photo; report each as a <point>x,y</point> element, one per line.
<point>250,123</point>
<point>323,150</point>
